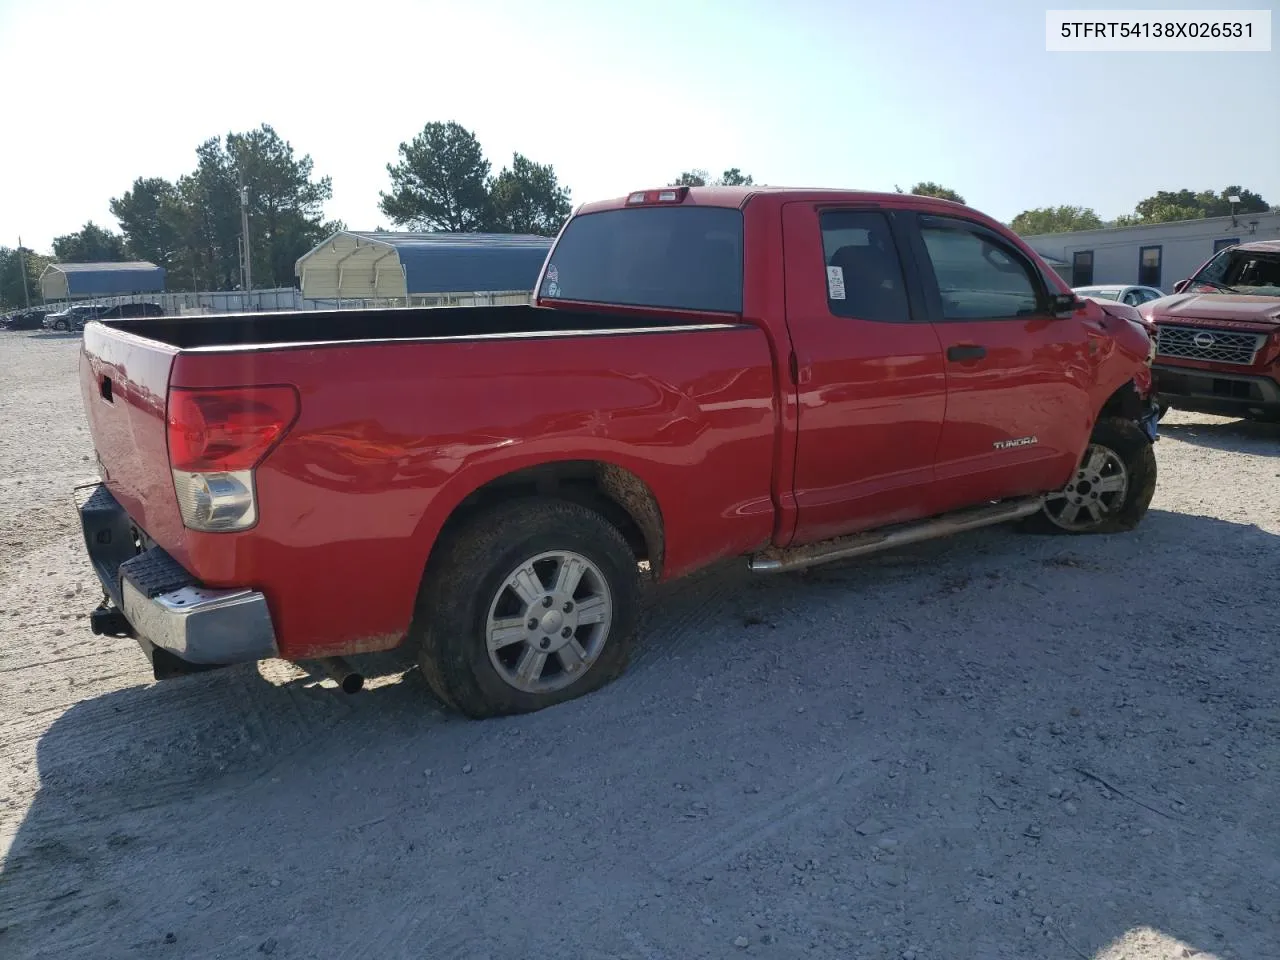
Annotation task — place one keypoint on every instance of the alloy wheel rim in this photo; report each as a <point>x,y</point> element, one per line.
<point>1095,492</point>
<point>548,622</point>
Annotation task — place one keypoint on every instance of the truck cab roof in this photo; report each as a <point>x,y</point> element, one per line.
<point>739,196</point>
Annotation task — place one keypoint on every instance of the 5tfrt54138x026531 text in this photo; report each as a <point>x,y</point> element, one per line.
<point>1158,31</point>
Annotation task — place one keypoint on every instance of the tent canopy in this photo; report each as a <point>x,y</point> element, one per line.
<point>66,281</point>
<point>356,265</point>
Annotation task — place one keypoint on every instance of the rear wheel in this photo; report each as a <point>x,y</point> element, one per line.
<point>526,605</point>
<point>1110,490</point>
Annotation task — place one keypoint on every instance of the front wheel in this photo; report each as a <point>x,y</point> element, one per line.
<point>526,605</point>
<point>1110,490</point>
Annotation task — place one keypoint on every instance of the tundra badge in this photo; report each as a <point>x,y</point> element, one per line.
<point>1019,442</point>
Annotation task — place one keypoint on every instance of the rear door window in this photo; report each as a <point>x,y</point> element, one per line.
<point>677,257</point>
<point>864,275</point>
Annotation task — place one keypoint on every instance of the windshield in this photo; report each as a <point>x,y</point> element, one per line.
<point>1234,270</point>
<point>1109,294</point>
<point>681,258</point>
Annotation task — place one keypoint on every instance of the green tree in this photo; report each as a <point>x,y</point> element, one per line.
<point>527,198</point>
<point>927,188</point>
<point>149,219</point>
<point>1166,206</point>
<point>699,177</point>
<point>440,183</point>
<point>90,244</point>
<point>285,203</point>
<point>1169,212</point>
<point>1250,202</point>
<point>1062,219</point>
<point>11,290</point>
<point>734,177</point>
<point>209,217</point>
<point>193,227</point>
<point>691,178</point>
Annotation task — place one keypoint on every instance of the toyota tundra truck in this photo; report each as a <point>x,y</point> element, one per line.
<point>788,376</point>
<point>1218,340</point>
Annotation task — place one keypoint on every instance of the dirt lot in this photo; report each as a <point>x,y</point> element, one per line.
<point>992,746</point>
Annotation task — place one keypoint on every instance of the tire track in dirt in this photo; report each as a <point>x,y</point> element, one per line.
<point>765,822</point>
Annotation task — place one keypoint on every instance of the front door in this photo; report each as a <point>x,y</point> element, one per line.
<point>1018,377</point>
<point>869,371</point>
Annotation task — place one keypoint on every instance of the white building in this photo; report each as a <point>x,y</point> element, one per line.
<point>1154,255</point>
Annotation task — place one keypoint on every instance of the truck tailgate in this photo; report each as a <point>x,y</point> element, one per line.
<point>124,380</point>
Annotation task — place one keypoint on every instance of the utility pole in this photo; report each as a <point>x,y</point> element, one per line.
<point>22,265</point>
<point>244,230</point>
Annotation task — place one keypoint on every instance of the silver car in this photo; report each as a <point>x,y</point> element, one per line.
<point>73,318</point>
<point>1132,294</point>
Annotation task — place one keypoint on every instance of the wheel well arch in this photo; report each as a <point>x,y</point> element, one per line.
<point>619,495</point>
<point>1125,401</point>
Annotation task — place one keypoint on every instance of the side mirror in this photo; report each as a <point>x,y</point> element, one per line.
<point>1180,286</point>
<point>1063,305</point>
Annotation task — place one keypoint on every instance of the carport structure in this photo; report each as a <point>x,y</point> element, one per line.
<point>76,281</point>
<point>422,269</point>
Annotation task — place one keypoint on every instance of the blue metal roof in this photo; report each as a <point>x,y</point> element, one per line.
<point>453,262</point>
<point>110,279</point>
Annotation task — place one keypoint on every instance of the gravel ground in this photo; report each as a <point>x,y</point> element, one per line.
<point>992,746</point>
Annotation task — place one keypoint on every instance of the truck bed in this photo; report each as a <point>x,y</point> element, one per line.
<point>405,413</point>
<point>312,327</point>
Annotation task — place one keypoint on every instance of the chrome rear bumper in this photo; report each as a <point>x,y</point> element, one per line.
<point>166,608</point>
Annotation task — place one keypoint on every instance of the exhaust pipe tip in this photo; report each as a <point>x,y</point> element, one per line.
<point>352,683</point>
<point>348,679</point>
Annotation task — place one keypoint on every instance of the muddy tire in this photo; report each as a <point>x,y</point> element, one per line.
<point>1112,488</point>
<point>526,605</point>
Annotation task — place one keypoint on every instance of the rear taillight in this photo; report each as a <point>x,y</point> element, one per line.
<point>216,440</point>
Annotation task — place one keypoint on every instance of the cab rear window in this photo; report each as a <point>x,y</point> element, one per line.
<point>680,258</point>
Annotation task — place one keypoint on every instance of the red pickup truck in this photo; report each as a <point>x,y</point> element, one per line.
<point>1218,340</point>
<point>792,376</point>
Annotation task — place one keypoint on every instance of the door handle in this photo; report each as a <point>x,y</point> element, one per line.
<point>966,351</point>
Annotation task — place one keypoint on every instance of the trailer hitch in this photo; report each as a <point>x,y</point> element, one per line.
<point>109,621</point>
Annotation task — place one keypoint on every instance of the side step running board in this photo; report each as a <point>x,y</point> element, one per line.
<point>873,541</point>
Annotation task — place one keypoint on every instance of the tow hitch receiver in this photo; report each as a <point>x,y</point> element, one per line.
<point>109,621</point>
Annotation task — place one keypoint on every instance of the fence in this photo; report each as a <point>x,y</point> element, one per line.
<point>289,298</point>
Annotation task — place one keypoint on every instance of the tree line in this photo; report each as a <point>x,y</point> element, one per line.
<point>440,181</point>
<point>192,226</point>
<point>1165,206</point>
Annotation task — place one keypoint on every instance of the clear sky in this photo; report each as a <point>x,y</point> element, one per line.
<point>622,95</point>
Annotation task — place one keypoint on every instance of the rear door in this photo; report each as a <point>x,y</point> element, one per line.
<point>868,371</point>
<point>1018,377</point>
